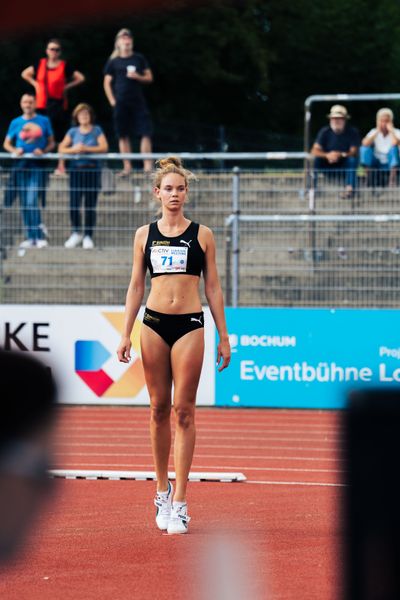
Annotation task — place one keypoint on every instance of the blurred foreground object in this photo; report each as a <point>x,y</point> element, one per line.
<point>28,396</point>
<point>372,503</point>
<point>24,16</point>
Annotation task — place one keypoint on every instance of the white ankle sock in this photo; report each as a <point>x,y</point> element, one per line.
<point>178,505</point>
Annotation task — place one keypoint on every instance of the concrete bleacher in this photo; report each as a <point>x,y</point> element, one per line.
<point>351,265</point>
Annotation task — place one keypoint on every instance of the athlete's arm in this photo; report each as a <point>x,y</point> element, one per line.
<point>135,293</point>
<point>214,297</point>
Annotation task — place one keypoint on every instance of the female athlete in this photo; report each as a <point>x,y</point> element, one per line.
<point>176,251</point>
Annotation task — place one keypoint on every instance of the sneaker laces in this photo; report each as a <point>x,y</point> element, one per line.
<point>179,513</point>
<point>161,502</point>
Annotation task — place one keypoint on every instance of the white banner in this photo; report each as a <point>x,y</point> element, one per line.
<point>79,344</point>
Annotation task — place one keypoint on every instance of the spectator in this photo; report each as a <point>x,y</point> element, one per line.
<point>52,77</point>
<point>85,139</point>
<point>26,425</point>
<point>30,133</point>
<point>336,148</point>
<point>380,147</point>
<point>124,74</point>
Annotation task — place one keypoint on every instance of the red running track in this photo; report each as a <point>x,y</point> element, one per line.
<point>277,535</point>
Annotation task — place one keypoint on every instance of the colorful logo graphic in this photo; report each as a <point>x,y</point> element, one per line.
<point>30,133</point>
<point>90,356</point>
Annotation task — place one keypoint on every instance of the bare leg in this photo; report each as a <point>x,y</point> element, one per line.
<point>60,167</point>
<point>393,177</point>
<point>145,148</point>
<point>157,369</point>
<point>186,360</point>
<point>125,147</point>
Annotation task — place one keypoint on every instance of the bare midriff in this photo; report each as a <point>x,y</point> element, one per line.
<point>175,294</point>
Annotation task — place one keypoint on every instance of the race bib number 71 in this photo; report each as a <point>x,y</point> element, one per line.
<point>170,259</point>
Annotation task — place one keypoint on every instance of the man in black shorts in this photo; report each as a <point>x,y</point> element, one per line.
<point>124,74</point>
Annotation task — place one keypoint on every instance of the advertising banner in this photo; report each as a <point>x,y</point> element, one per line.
<point>79,343</point>
<point>307,358</point>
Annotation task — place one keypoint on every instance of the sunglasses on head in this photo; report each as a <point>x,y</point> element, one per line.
<point>57,49</point>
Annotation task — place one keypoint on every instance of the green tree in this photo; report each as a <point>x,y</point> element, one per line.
<point>210,64</point>
<point>346,46</point>
<point>246,65</point>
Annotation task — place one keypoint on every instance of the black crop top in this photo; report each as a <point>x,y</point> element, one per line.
<point>174,255</point>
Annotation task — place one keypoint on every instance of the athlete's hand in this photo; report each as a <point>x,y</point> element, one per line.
<point>224,354</point>
<point>124,350</point>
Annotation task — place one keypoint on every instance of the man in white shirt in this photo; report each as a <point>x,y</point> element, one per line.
<point>380,147</point>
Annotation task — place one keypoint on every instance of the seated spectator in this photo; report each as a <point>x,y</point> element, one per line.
<point>85,139</point>
<point>30,133</point>
<point>380,147</point>
<point>52,77</point>
<point>336,149</point>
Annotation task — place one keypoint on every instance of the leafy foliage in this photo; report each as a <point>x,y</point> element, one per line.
<point>246,65</point>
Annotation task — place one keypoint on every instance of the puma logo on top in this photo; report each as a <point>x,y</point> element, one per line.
<point>185,242</point>
<point>194,319</point>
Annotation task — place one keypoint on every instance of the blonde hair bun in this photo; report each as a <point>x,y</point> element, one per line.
<point>170,160</point>
<point>171,164</point>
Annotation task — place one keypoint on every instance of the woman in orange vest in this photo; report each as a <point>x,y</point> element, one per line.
<point>52,77</point>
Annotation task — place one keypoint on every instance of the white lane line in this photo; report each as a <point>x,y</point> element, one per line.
<point>232,457</point>
<point>135,465</point>
<point>300,483</point>
<point>235,446</point>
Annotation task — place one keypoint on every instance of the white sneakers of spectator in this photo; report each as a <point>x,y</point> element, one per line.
<point>33,244</point>
<point>87,243</point>
<point>75,239</point>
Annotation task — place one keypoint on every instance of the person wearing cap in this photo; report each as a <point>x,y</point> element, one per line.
<point>380,147</point>
<point>336,148</point>
<point>125,73</point>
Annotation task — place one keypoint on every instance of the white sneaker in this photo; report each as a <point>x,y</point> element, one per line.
<point>87,243</point>
<point>41,243</point>
<point>179,520</point>
<point>27,244</point>
<point>163,503</point>
<point>74,240</point>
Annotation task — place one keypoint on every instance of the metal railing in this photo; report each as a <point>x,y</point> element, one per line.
<point>276,244</point>
<point>352,262</point>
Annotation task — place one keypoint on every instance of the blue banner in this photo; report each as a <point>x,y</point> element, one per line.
<point>307,358</point>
